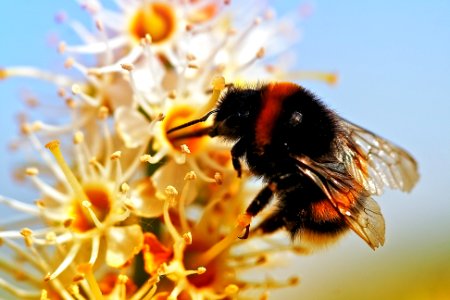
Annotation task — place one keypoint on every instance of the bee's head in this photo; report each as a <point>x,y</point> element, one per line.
<point>235,115</point>
<point>236,112</point>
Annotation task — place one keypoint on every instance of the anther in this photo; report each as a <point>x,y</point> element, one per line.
<point>190,176</point>
<point>187,237</point>
<point>171,191</point>
<point>185,149</point>
<point>127,67</point>
<point>76,89</point>
<point>116,155</point>
<point>69,63</point>
<point>124,187</point>
<point>31,171</point>
<point>78,137</point>
<point>218,178</point>
<point>103,113</point>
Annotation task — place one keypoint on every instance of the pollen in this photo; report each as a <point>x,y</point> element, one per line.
<point>156,19</point>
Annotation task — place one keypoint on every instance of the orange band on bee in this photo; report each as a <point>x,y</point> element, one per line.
<point>272,102</point>
<point>324,211</point>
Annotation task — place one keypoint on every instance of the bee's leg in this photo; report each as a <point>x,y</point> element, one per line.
<point>260,201</point>
<point>280,217</point>
<point>238,151</point>
<point>272,223</point>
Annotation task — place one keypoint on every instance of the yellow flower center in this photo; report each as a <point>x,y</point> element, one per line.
<point>99,195</point>
<point>181,114</point>
<point>215,269</point>
<point>92,201</point>
<point>155,19</point>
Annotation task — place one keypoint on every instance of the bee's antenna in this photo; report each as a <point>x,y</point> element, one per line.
<point>190,123</point>
<point>192,134</point>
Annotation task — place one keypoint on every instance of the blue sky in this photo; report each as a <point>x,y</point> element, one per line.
<point>393,59</point>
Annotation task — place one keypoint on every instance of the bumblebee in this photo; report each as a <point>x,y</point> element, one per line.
<point>321,169</point>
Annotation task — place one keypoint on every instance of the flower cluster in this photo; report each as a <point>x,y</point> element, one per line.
<point>124,211</point>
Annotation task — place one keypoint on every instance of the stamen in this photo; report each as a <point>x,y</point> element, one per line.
<point>218,85</point>
<point>270,283</point>
<point>99,167</point>
<point>259,55</point>
<point>31,72</point>
<point>20,206</point>
<point>217,165</point>
<point>118,169</point>
<point>240,41</point>
<point>95,47</point>
<point>189,178</point>
<point>78,138</point>
<point>187,238</point>
<point>46,189</point>
<point>76,90</point>
<point>206,257</point>
<point>26,255</point>
<point>55,129</point>
<point>95,249</point>
<point>122,280</point>
<point>157,157</point>
<point>69,257</point>
<point>72,180</point>
<point>231,290</point>
<point>34,258</point>
<point>139,96</point>
<point>46,157</point>
<point>75,290</point>
<point>171,194</point>
<point>136,162</point>
<point>147,290</point>
<point>88,205</point>
<point>149,55</point>
<point>329,78</point>
<point>18,292</point>
<point>202,175</point>
<point>107,137</point>
<point>104,36</point>
<point>218,178</point>
<point>27,235</point>
<point>9,266</point>
<point>86,269</point>
<point>199,271</point>
<point>117,67</point>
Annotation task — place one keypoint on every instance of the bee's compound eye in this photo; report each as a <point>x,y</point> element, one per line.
<point>296,118</point>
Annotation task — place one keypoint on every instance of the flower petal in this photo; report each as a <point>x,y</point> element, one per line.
<point>131,126</point>
<point>123,243</point>
<point>145,201</point>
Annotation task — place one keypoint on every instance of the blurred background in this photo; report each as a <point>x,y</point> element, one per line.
<point>393,61</point>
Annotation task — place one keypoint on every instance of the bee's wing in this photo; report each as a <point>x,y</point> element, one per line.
<point>363,165</point>
<point>376,163</point>
<point>361,213</point>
